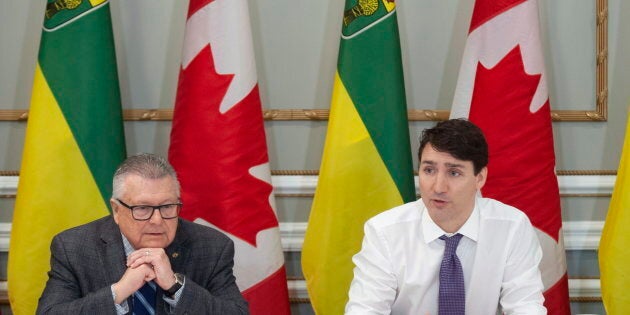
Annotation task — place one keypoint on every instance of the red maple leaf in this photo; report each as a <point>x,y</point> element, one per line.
<point>196,5</point>
<point>213,153</point>
<point>521,170</point>
<point>485,10</point>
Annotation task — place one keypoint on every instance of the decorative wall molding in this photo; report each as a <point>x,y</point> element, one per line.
<point>292,235</point>
<point>570,185</point>
<point>5,236</point>
<point>159,114</point>
<point>586,185</point>
<point>578,235</point>
<point>585,288</point>
<point>8,185</point>
<point>582,235</point>
<point>304,185</point>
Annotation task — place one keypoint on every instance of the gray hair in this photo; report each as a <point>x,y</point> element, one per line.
<point>145,165</point>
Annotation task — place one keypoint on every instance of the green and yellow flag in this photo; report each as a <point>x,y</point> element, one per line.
<point>366,165</point>
<point>74,141</point>
<point>614,252</point>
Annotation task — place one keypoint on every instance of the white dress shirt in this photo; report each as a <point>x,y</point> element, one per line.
<point>397,269</point>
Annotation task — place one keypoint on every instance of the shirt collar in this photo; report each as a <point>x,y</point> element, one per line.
<point>432,231</point>
<point>470,228</point>
<point>128,248</point>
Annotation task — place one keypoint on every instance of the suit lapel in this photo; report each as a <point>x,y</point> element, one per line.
<point>177,253</point>
<point>113,257</point>
<point>178,250</point>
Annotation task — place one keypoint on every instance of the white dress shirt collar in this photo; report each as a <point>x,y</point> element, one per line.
<point>431,231</point>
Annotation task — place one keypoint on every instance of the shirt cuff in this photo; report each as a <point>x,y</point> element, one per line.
<point>173,301</point>
<point>121,308</point>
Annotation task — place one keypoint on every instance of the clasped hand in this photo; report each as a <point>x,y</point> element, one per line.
<point>144,265</point>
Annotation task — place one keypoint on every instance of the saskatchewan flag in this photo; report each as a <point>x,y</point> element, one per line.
<point>74,141</point>
<point>366,165</point>
<point>614,252</point>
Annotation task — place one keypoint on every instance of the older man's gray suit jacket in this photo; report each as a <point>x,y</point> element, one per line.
<point>88,259</point>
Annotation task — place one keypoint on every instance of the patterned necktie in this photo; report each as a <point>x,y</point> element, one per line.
<point>144,300</point>
<point>452,298</point>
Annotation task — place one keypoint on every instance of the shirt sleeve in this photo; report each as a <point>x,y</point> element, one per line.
<point>522,287</point>
<point>122,308</point>
<point>373,289</point>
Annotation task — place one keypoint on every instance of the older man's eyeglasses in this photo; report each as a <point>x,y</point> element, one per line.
<point>145,212</point>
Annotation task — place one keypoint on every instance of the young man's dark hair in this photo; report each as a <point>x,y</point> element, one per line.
<point>459,138</point>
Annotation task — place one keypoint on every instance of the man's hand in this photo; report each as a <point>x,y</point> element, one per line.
<point>132,280</point>
<point>158,260</point>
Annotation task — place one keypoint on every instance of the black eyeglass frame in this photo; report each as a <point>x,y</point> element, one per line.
<point>159,208</point>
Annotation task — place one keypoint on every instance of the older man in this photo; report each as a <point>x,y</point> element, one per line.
<point>142,259</point>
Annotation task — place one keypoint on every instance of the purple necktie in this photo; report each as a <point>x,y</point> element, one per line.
<point>452,298</point>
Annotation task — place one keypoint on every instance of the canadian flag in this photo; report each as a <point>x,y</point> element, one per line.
<point>502,88</point>
<point>219,150</point>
